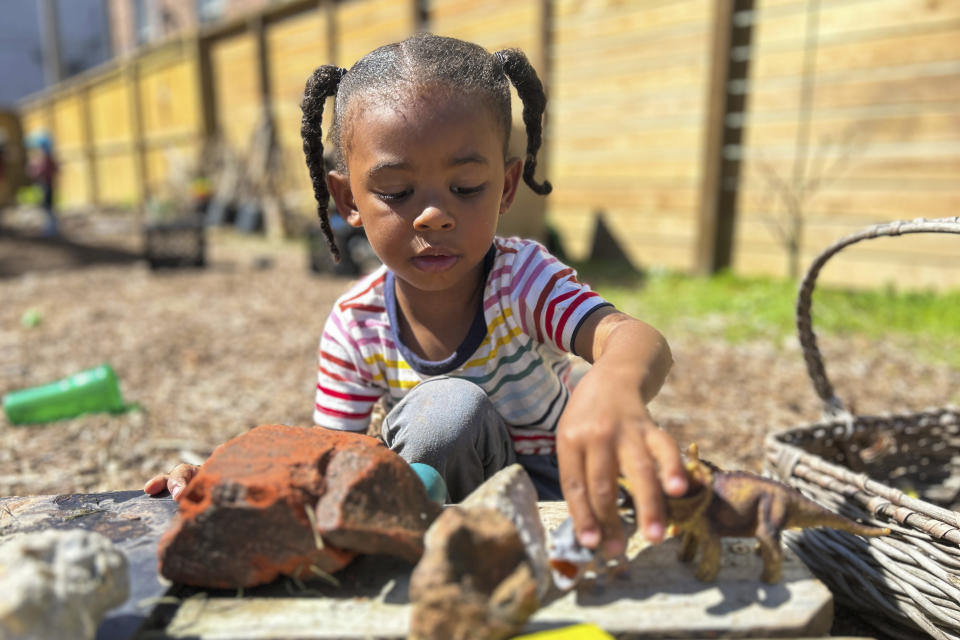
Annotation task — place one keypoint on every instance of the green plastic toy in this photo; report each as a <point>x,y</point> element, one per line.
<point>88,391</point>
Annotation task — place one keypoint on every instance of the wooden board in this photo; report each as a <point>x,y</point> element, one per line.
<point>656,597</point>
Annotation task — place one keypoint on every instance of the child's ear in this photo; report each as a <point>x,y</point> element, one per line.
<point>511,179</point>
<point>339,186</point>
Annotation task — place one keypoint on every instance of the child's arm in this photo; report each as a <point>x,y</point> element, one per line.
<point>606,431</point>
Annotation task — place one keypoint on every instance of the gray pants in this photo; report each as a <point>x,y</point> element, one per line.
<point>450,424</point>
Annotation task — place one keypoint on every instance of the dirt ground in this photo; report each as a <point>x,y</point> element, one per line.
<point>204,355</point>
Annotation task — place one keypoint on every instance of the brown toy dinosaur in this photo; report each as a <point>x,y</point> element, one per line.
<point>737,503</point>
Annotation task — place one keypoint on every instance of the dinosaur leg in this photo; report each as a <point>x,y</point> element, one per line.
<point>710,549</point>
<point>773,516</point>
<point>772,554</point>
<point>688,547</point>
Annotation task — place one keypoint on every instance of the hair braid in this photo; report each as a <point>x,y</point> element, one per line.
<point>321,84</point>
<point>524,78</point>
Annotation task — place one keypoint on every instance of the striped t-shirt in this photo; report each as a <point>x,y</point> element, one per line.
<point>516,348</point>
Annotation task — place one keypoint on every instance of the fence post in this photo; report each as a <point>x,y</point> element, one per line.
<point>721,149</point>
<point>205,88</point>
<point>333,50</point>
<point>131,72</point>
<point>89,151</point>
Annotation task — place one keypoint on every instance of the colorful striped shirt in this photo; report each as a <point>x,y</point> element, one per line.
<point>516,349</point>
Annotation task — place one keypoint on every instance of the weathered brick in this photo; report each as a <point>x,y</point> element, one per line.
<point>244,520</point>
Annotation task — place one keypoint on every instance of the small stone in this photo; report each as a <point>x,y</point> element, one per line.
<point>473,581</point>
<point>511,492</point>
<point>245,518</point>
<point>59,584</point>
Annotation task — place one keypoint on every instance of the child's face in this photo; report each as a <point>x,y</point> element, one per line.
<point>427,181</point>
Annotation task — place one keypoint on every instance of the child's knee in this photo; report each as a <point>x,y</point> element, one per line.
<point>440,412</point>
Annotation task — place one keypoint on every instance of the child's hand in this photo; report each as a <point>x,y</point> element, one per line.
<point>175,481</point>
<point>604,432</point>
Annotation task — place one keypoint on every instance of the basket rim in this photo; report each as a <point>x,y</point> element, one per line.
<point>786,459</point>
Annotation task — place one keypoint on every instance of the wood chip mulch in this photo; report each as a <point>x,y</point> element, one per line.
<point>207,354</point>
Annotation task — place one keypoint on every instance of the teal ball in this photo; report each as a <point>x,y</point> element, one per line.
<point>432,481</point>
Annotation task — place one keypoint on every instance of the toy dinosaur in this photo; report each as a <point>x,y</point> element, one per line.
<point>737,503</point>
<point>717,504</point>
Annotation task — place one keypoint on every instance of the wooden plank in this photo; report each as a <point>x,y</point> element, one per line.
<point>614,81</point>
<point>861,129</point>
<point>940,43</point>
<point>131,74</point>
<point>73,186</point>
<point>655,596</point>
<point>110,111</point>
<point>664,199</point>
<point>888,204</point>
<point>364,25</point>
<point>595,21</point>
<point>849,271</point>
<point>68,122</point>
<point>169,99</point>
<point>941,88</point>
<point>605,138</point>
<point>629,47</point>
<point>116,178</point>
<point>297,46</point>
<point>922,172</point>
<point>819,232</point>
<point>850,20</point>
<point>236,88</point>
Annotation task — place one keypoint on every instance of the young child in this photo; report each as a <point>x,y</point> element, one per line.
<point>42,168</point>
<point>465,333</point>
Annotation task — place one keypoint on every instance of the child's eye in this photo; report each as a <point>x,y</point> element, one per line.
<point>467,191</point>
<point>394,196</point>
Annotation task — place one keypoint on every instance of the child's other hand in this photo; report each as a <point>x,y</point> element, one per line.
<point>175,481</point>
<point>604,432</point>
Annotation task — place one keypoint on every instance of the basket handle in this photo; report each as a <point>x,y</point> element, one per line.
<point>808,340</point>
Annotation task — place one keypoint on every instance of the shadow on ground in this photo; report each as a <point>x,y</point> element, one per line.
<point>24,251</point>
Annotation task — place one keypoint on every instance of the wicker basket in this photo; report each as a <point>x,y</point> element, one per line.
<point>900,471</point>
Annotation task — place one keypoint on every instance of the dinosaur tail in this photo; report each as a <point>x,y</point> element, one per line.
<point>810,514</point>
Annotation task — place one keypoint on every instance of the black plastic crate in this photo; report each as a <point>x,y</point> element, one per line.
<point>174,245</point>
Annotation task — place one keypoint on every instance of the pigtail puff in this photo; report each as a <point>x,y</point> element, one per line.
<point>322,84</point>
<point>529,88</point>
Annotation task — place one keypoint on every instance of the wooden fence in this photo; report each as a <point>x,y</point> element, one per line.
<point>709,133</point>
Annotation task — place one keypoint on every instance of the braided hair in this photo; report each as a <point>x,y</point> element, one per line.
<point>396,71</point>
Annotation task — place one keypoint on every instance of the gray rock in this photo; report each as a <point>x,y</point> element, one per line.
<point>59,584</point>
<point>511,492</point>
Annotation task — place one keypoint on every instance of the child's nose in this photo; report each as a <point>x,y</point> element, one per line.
<point>433,219</point>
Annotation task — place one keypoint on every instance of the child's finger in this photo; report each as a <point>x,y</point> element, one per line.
<point>673,474</point>
<point>574,487</point>
<point>179,477</point>
<point>156,484</point>
<point>639,468</point>
<point>603,490</point>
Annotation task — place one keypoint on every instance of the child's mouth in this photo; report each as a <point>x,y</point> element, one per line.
<point>434,264</point>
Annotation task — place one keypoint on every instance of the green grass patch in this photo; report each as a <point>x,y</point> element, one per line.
<point>738,308</point>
